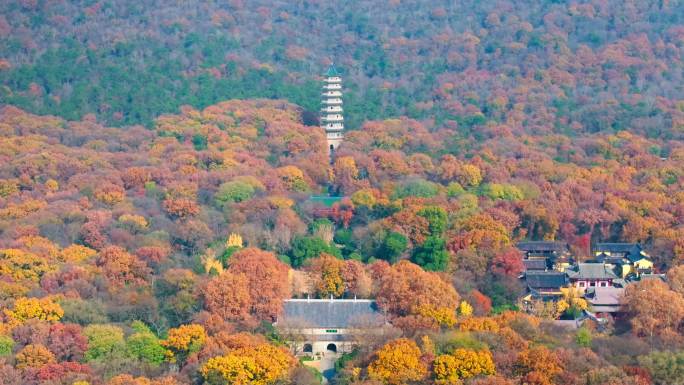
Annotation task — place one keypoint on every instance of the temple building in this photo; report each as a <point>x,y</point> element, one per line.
<point>332,120</point>
<point>319,327</point>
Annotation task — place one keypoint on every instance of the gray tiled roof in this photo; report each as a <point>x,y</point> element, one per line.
<point>632,251</point>
<point>591,271</point>
<point>534,264</point>
<point>545,279</point>
<point>615,247</point>
<point>605,258</point>
<point>542,246</point>
<point>609,296</point>
<point>326,313</point>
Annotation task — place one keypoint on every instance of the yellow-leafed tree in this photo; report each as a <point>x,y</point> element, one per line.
<point>465,309</point>
<point>461,364</point>
<point>76,253</point>
<point>184,340</point>
<point>234,240</point>
<point>261,365</point>
<point>398,362</point>
<point>444,316</point>
<point>35,308</point>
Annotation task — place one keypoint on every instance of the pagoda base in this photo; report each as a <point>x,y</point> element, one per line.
<point>334,143</point>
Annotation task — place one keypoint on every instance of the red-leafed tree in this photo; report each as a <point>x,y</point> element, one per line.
<point>67,342</point>
<point>508,262</point>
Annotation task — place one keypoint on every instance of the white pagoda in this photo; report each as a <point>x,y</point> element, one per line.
<point>332,120</point>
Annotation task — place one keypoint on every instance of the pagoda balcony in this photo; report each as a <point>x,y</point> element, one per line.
<point>332,118</point>
<point>334,86</point>
<point>332,94</point>
<point>334,127</point>
<point>332,109</point>
<point>333,79</point>
<point>332,101</point>
<point>334,135</point>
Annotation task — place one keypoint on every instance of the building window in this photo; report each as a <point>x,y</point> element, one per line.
<point>581,284</point>
<point>331,330</point>
<point>592,284</point>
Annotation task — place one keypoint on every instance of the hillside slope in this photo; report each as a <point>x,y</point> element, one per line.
<point>536,66</point>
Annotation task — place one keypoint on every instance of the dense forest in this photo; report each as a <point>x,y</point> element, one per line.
<point>161,172</point>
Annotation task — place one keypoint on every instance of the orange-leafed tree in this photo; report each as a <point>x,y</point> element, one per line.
<point>326,272</point>
<point>538,366</point>
<point>405,286</point>
<point>654,309</point>
<point>357,281</point>
<point>135,177</point>
<point>34,356</point>
<point>267,281</point>
<point>227,296</point>
<point>675,278</point>
<point>110,194</point>
<point>181,207</point>
<point>293,178</point>
<point>345,173</point>
<point>122,268</point>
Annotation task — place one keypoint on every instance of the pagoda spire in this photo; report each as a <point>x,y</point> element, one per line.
<point>332,120</point>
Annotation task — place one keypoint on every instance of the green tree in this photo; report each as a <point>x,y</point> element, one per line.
<point>392,246</point>
<point>6,346</point>
<point>455,189</point>
<point>144,345</point>
<point>583,337</point>
<point>436,217</point>
<point>432,254</point>
<point>318,223</point>
<point>234,191</point>
<point>417,188</point>
<point>199,141</point>
<point>345,238</point>
<point>304,248</point>
<point>104,342</point>
<point>665,367</point>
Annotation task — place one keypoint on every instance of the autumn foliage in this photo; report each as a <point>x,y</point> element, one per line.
<point>405,287</point>
<point>263,364</point>
<point>397,363</point>
<point>151,228</point>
